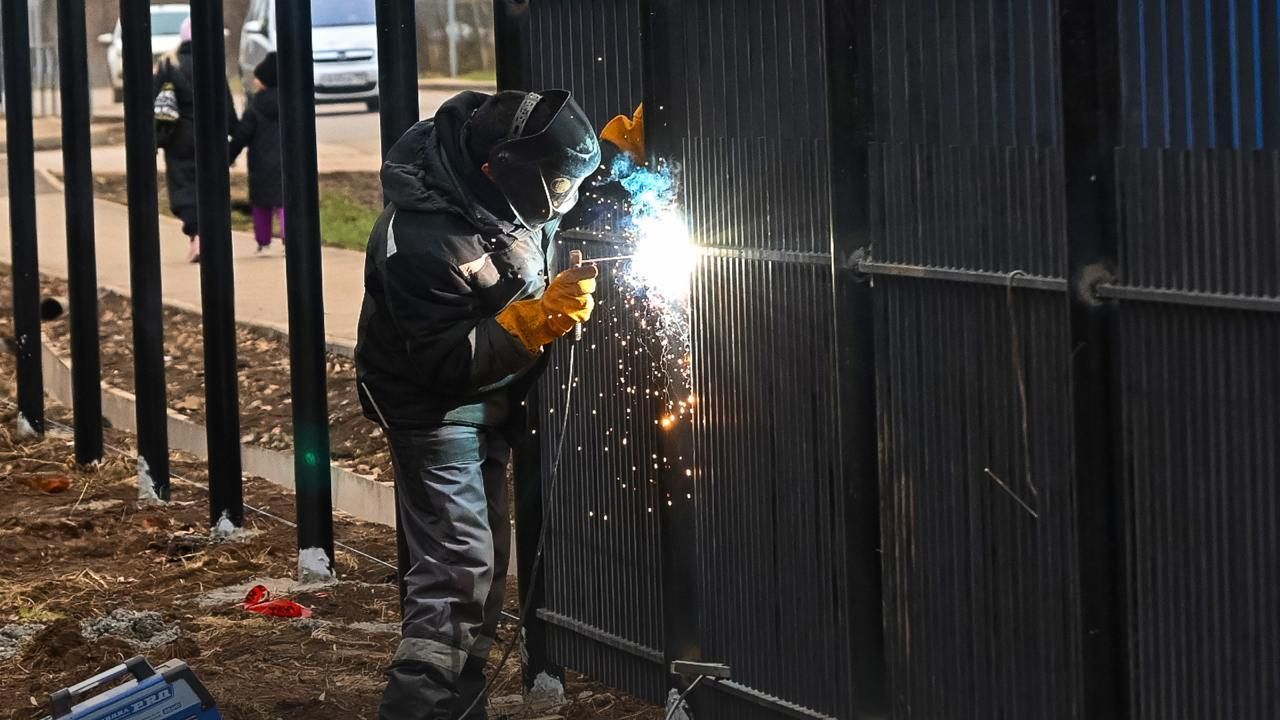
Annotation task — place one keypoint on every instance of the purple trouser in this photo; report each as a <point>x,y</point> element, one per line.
<point>263,217</point>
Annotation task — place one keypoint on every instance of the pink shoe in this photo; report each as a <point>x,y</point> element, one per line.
<point>193,250</point>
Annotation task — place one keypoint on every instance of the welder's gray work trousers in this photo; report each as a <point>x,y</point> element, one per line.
<point>452,507</point>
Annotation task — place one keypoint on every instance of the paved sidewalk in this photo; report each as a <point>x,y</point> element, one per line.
<point>46,132</point>
<point>110,160</point>
<point>259,281</point>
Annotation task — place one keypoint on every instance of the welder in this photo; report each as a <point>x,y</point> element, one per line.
<point>460,302</point>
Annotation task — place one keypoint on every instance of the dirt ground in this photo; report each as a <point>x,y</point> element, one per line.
<point>90,578</point>
<point>266,411</point>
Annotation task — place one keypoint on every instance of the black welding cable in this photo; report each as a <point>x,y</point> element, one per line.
<point>542,542</point>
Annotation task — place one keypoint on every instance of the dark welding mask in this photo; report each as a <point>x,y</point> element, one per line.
<point>540,173</point>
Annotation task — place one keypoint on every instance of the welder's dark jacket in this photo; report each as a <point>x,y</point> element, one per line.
<point>438,269</point>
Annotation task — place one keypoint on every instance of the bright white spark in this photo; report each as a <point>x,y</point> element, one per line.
<point>665,257</point>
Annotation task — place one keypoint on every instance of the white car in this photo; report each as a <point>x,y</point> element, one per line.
<point>344,39</point>
<point>166,21</point>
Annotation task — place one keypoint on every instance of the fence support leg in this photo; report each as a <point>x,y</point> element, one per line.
<point>1090,61</point>
<point>217,282</point>
<point>82,272</point>
<point>305,291</point>
<point>144,250</point>
<point>22,218</point>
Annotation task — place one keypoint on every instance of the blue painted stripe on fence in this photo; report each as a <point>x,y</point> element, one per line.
<point>1209,85</point>
<point>1257,75</point>
<point>1188,57</point>
<point>1142,70</point>
<point>1166,102</point>
<point>1235,73</point>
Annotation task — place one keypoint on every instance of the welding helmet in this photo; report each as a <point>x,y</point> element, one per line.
<point>540,172</point>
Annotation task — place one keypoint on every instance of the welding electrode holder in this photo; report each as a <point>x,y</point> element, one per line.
<point>575,261</point>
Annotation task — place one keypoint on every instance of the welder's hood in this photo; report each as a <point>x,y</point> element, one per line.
<point>539,173</point>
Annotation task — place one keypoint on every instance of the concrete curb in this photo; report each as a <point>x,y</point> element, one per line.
<point>334,346</point>
<point>96,135</point>
<point>361,497</point>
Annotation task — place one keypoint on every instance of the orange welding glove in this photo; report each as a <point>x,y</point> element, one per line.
<point>567,302</point>
<point>627,134</point>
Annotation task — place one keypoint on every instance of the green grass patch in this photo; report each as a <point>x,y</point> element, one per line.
<point>490,75</point>
<point>345,222</point>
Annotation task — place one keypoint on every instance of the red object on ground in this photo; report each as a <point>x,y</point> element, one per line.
<point>259,601</point>
<point>49,483</point>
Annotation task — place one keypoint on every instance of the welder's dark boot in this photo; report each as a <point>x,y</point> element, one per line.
<point>470,685</point>
<point>418,691</point>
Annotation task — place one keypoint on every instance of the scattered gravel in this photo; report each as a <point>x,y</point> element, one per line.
<point>142,629</point>
<point>13,637</point>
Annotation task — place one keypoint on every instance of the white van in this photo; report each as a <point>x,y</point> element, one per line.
<point>344,40</point>
<point>166,20</point>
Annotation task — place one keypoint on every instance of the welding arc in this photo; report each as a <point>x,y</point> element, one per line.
<point>548,513</point>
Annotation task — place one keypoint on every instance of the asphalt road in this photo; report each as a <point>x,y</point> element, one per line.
<point>354,127</point>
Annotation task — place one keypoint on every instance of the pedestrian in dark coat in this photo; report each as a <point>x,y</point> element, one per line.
<point>174,72</point>
<point>259,131</point>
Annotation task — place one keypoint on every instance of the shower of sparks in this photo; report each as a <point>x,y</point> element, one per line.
<point>647,329</point>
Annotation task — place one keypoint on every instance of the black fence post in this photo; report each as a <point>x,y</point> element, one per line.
<point>1091,86</point>
<point>306,298</point>
<point>678,491</point>
<point>22,217</point>
<point>397,69</point>
<point>217,281</point>
<point>511,43</point>
<point>82,272</point>
<point>850,128</point>
<point>144,250</point>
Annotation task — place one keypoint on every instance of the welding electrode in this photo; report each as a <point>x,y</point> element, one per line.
<point>575,260</point>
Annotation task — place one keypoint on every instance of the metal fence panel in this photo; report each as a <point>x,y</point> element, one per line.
<point>747,91</point>
<point>974,384</point>
<point>769,491</point>
<point>603,573</point>
<point>995,592</point>
<point>1198,180</point>
<point>592,49</point>
<point>1201,460</point>
<point>979,550</point>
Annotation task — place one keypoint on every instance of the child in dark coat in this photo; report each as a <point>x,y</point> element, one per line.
<point>259,130</point>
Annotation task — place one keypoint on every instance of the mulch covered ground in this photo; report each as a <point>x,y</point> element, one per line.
<point>266,416</point>
<point>89,578</point>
